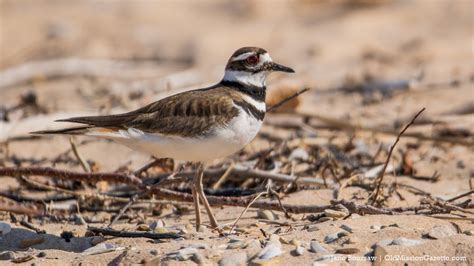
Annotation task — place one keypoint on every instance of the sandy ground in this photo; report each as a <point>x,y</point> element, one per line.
<point>182,46</point>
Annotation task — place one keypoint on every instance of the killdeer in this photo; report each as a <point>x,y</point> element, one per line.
<point>198,125</point>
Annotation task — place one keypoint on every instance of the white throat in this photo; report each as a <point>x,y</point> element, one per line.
<point>254,79</point>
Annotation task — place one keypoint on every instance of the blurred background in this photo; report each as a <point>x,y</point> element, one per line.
<point>370,66</point>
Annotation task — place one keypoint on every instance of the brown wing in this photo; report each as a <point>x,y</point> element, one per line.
<point>187,114</point>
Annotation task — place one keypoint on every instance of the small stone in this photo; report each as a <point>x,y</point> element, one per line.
<point>342,233</point>
<point>330,238</point>
<point>271,249</point>
<point>234,239</point>
<point>315,247</point>
<point>143,227</point>
<point>156,223</point>
<point>352,240</point>
<point>154,252</point>
<point>295,242</point>
<point>325,219</point>
<point>347,228</point>
<point>7,255</point>
<point>334,214</point>
<point>100,248</point>
<point>41,254</point>
<point>186,253</point>
<point>383,243</point>
<point>298,251</point>
<point>160,229</point>
<point>312,228</point>
<point>269,262</point>
<point>347,250</point>
<point>469,232</point>
<point>376,227</point>
<point>266,214</point>
<point>298,154</point>
<point>198,246</point>
<point>441,231</point>
<point>235,245</point>
<point>355,216</point>
<point>236,259</point>
<point>406,242</point>
<point>79,220</point>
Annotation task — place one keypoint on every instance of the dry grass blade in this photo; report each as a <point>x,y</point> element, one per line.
<point>282,102</point>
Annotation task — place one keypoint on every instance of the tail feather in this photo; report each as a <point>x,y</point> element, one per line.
<point>68,131</point>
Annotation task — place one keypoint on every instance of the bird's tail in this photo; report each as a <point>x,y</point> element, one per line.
<point>65,131</point>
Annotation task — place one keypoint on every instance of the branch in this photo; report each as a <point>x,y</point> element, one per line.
<point>69,175</point>
<point>282,102</point>
<point>382,173</point>
<point>117,233</point>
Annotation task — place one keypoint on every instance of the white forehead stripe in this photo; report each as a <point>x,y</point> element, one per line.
<point>242,56</point>
<point>265,58</point>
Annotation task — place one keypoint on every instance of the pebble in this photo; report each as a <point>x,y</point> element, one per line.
<point>376,227</point>
<point>441,231</point>
<point>406,242</point>
<point>235,245</point>
<point>156,223</point>
<point>198,246</point>
<point>347,250</point>
<point>469,232</point>
<point>7,255</point>
<point>154,252</point>
<point>266,214</point>
<point>383,243</point>
<point>160,229</point>
<point>143,227</point>
<point>347,228</point>
<point>236,259</point>
<point>298,154</point>
<point>330,238</point>
<point>298,251</point>
<point>315,247</point>
<point>312,228</point>
<point>100,248</point>
<point>295,242</point>
<point>234,239</point>
<point>270,262</point>
<point>79,220</point>
<point>186,253</point>
<point>271,249</point>
<point>325,219</point>
<point>334,214</point>
<point>41,254</point>
<point>5,228</point>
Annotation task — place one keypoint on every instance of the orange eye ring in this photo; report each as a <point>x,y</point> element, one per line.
<point>252,60</point>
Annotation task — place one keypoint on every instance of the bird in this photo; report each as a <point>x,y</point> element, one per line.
<point>198,125</point>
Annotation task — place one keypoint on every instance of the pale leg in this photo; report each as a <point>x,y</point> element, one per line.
<point>196,202</point>
<point>200,191</point>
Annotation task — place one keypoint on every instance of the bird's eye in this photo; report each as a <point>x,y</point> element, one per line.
<point>252,60</point>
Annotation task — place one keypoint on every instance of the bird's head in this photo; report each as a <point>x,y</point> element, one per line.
<point>251,66</point>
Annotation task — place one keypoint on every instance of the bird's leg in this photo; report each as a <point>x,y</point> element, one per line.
<point>200,191</point>
<point>196,201</point>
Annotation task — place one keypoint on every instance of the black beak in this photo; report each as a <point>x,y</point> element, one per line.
<point>282,68</point>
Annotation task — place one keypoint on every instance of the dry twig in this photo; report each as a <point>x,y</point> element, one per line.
<point>379,179</point>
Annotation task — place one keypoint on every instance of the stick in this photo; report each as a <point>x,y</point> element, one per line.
<point>69,175</point>
<point>382,173</point>
<point>247,207</point>
<point>123,210</point>
<point>282,102</point>
<point>83,162</point>
<point>117,233</point>
<point>460,196</point>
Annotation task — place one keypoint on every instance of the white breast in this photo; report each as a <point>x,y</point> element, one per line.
<point>222,142</point>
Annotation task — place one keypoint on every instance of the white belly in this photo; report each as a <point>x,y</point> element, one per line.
<point>220,143</point>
